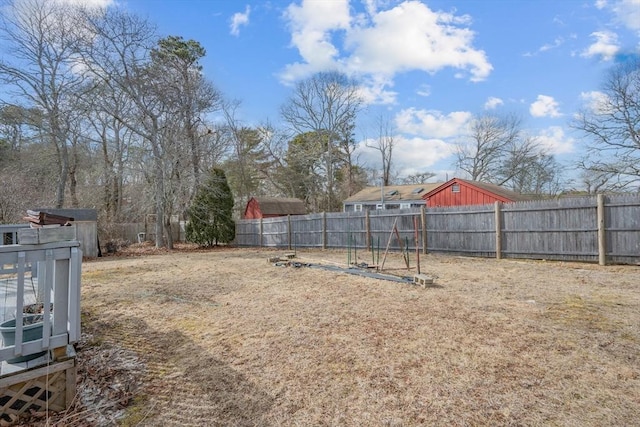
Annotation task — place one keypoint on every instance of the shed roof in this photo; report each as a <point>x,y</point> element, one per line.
<point>392,192</point>
<point>485,186</point>
<point>280,205</point>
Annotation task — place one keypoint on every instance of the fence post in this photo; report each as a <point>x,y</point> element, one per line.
<point>498,220</point>
<point>261,231</point>
<point>289,230</point>
<point>367,227</point>
<point>324,230</point>
<point>423,220</point>
<point>602,231</point>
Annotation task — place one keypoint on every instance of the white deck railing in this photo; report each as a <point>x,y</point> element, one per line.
<point>59,268</point>
<point>9,233</point>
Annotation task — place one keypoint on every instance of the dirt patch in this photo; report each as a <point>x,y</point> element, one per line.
<point>223,338</point>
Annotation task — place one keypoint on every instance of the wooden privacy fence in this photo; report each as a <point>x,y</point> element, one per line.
<point>604,229</point>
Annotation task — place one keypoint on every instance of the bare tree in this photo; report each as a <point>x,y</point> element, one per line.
<point>325,104</point>
<point>245,156</point>
<point>500,152</point>
<point>384,144</point>
<point>119,58</point>
<point>42,37</point>
<point>112,138</point>
<point>482,155</point>
<point>612,126</point>
<point>418,178</point>
<point>536,175</point>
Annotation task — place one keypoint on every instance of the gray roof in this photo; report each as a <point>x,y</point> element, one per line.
<point>498,190</point>
<point>402,193</point>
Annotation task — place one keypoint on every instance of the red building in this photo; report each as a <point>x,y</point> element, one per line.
<point>460,192</point>
<point>269,207</point>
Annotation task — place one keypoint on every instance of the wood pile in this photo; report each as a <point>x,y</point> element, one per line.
<point>38,219</point>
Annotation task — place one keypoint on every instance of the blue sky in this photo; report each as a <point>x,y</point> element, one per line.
<point>428,66</point>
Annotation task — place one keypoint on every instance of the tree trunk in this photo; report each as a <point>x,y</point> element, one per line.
<point>159,183</point>
<point>167,224</point>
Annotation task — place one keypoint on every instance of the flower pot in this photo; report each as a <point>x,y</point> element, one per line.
<point>31,331</point>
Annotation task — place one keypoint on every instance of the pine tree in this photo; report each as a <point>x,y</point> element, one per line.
<point>211,212</point>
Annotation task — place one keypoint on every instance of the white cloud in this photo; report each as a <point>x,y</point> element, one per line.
<point>432,124</point>
<point>545,106</point>
<point>628,12</point>
<point>554,141</point>
<point>559,41</point>
<point>419,153</point>
<point>410,155</point>
<point>378,44</point>
<point>239,19</point>
<point>311,26</point>
<point>413,37</point>
<point>492,103</point>
<point>376,90</point>
<point>595,101</point>
<point>424,90</point>
<point>601,4</point>
<point>605,46</point>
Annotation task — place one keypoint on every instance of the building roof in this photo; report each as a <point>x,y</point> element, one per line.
<point>497,190</point>
<point>392,193</point>
<point>280,205</point>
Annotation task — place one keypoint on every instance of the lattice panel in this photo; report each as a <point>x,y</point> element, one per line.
<point>46,389</point>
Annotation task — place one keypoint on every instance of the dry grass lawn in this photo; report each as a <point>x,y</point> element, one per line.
<point>223,338</point>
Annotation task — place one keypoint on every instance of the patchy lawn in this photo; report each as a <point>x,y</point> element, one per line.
<point>224,338</point>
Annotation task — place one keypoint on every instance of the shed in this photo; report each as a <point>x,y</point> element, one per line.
<point>269,207</point>
<point>461,192</point>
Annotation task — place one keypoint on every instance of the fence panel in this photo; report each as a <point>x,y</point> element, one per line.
<point>346,229</point>
<point>382,228</point>
<point>562,229</point>
<point>275,232</point>
<point>307,230</point>
<point>468,230</point>
<point>248,233</point>
<point>622,220</point>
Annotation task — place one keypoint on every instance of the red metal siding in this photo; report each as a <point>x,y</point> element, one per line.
<point>253,210</point>
<point>468,195</point>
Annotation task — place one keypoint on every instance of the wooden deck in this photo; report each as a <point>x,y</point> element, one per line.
<point>51,270</point>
